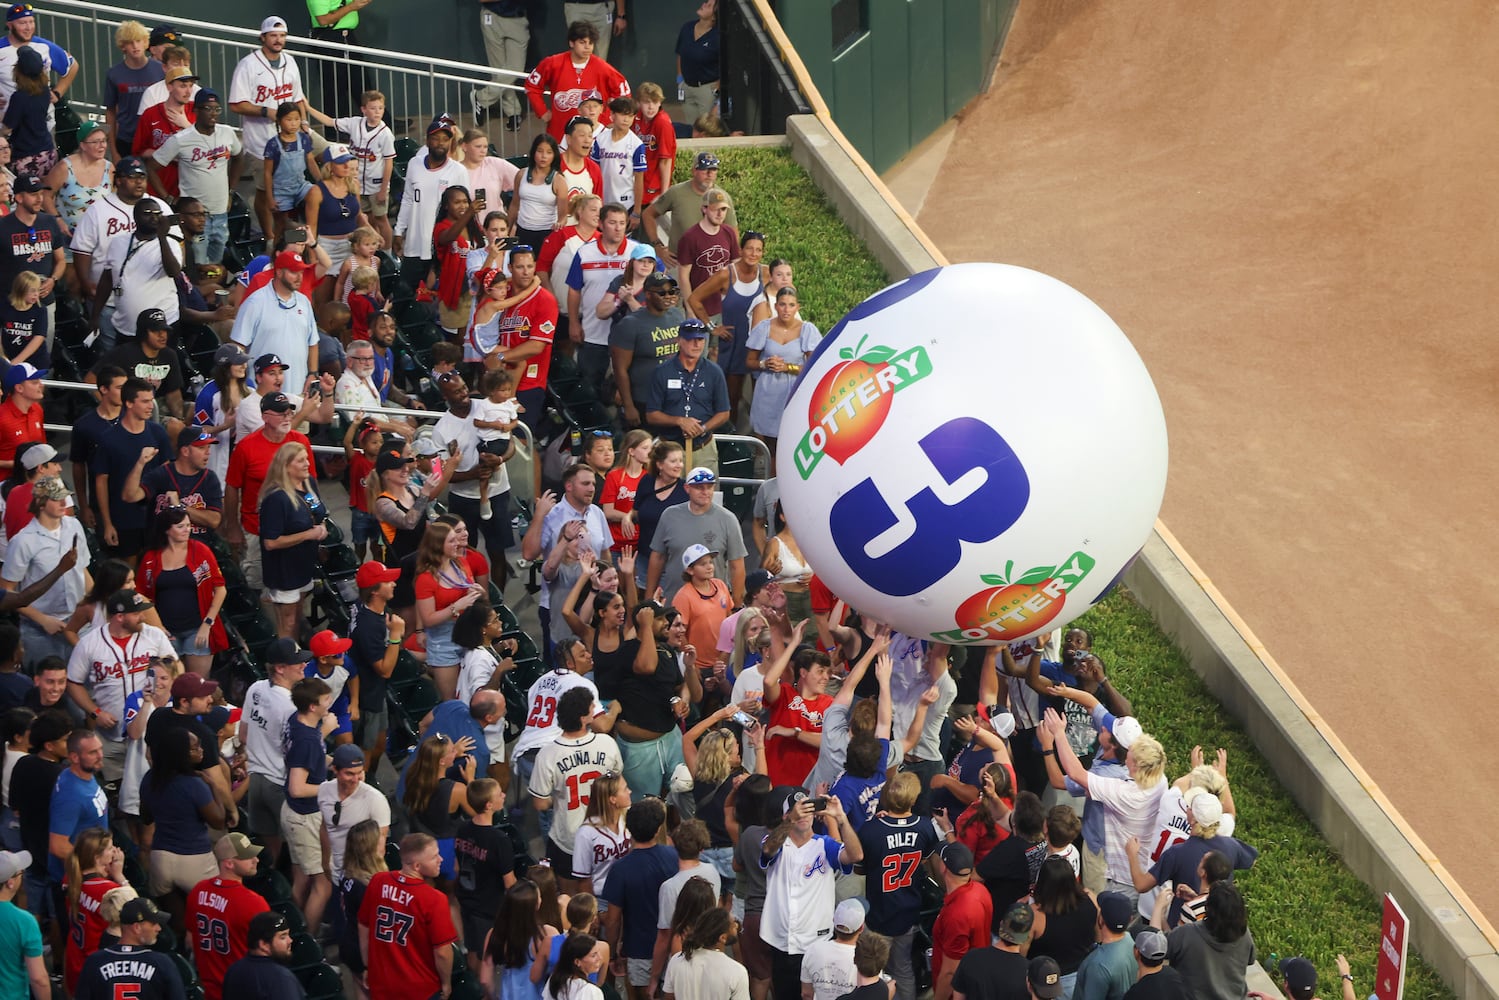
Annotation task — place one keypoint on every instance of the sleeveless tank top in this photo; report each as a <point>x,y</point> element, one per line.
<point>400,542</point>
<point>74,198</point>
<point>337,216</point>
<point>538,202</point>
<point>611,668</point>
<point>739,300</point>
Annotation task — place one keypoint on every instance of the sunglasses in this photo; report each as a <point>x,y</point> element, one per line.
<point>338,812</point>
<point>601,434</point>
<point>750,234</point>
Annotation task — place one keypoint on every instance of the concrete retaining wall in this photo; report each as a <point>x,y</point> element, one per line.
<point>1312,764</point>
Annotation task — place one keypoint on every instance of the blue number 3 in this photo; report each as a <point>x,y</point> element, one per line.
<point>931,531</point>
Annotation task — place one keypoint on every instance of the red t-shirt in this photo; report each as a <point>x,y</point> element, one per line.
<point>407,918</point>
<point>362,309</point>
<point>589,180</point>
<point>360,468</point>
<point>962,925</point>
<point>546,254</point>
<point>218,918</point>
<point>788,759</point>
<point>152,132</point>
<point>660,140</point>
<point>18,509</point>
<point>88,926</point>
<point>533,318</point>
<point>619,489</point>
<point>249,461</point>
<point>428,585</point>
<point>17,427</point>
<point>974,832</point>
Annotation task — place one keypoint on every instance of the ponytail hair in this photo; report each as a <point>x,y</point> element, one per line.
<point>706,930</point>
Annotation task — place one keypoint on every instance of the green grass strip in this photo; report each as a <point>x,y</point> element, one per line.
<point>1302,899</point>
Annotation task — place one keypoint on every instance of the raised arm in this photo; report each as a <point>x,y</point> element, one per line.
<point>1054,728</point>
<point>883,668</point>
<point>856,674</point>
<point>772,676</point>
<point>989,676</point>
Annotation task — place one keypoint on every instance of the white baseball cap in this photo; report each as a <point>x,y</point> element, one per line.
<point>849,916</point>
<point>693,554</point>
<point>272,23</point>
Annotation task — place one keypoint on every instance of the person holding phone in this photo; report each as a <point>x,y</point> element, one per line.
<point>147,275</point>
<point>293,523</point>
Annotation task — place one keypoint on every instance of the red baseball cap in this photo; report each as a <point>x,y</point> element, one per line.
<point>325,643</point>
<point>291,261</point>
<point>373,573</point>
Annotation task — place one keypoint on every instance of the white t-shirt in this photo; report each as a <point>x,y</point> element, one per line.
<point>506,412</point>
<point>1129,811</point>
<point>829,967</point>
<point>144,283</point>
<point>749,682</point>
<point>462,430</point>
<point>422,200</point>
<point>565,771</point>
<point>202,164</point>
<point>157,93</point>
<point>258,82</point>
<point>595,850</point>
<point>248,418</point>
<point>371,148</point>
<point>474,672</point>
<point>576,989</point>
<point>666,896</point>
<point>541,706</point>
<point>364,803</point>
<point>266,709</point>
<point>709,975</point>
<point>104,232</point>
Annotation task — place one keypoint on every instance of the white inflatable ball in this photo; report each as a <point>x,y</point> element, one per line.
<point>973,455</point>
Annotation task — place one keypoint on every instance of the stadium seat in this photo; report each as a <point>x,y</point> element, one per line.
<point>271,885</point>
<point>416,699</point>
<point>305,952</point>
<point>321,982</point>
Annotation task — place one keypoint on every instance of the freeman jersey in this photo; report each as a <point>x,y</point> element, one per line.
<point>125,972</point>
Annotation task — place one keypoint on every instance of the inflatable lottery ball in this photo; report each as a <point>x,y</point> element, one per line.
<point>973,455</point>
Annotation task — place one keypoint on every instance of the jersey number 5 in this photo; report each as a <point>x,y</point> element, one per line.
<point>391,926</point>
<point>898,870</point>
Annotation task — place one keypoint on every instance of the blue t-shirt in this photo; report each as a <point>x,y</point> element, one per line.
<point>967,767</point>
<point>116,456</point>
<point>180,829</point>
<point>123,88</point>
<point>77,804</point>
<point>699,56</point>
<point>19,937</point>
<point>1179,863</point>
<point>13,688</point>
<point>289,568</point>
<point>635,881</point>
<point>304,748</point>
<point>861,796</point>
<point>452,719</point>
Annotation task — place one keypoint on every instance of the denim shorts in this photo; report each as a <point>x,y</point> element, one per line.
<point>442,651</point>
<point>186,644</point>
<point>365,527</point>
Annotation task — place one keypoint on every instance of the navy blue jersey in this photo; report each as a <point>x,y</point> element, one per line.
<point>129,971</point>
<point>893,851</point>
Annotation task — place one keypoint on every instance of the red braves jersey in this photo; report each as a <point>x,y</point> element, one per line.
<point>406,919</point>
<point>218,918</point>
<point>83,939</point>
<point>535,318</point>
<point>660,144</point>
<point>152,132</point>
<point>569,84</point>
<point>788,759</point>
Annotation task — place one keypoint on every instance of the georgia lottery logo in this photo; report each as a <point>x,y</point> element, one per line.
<point>959,424</point>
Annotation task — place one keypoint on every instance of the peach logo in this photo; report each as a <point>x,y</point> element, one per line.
<point>1012,607</point>
<point>851,402</point>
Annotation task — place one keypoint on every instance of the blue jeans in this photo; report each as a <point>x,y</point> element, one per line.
<point>39,645</point>
<point>215,240</point>
<point>525,766</point>
<point>899,966</point>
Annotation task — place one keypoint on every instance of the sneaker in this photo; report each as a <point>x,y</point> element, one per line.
<point>514,122</point>
<point>485,511</point>
<point>480,111</point>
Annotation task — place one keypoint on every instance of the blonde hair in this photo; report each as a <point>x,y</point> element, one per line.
<point>278,476</point>
<point>650,92</point>
<point>1150,761</point>
<point>26,281</point>
<point>714,757</point>
<point>363,859</point>
<point>900,793</point>
<point>580,199</point>
<point>602,812</point>
<point>365,234</point>
<point>747,617</point>
<point>114,901</point>
<point>131,31</point>
<point>1208,778</point>
<point>364,278</point>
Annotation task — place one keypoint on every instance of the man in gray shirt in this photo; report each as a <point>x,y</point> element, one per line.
<point>641,341</point>
<point>699,521</point>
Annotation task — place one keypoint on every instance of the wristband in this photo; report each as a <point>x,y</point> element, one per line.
<point>1049,753</point>
<point>1348,977</point>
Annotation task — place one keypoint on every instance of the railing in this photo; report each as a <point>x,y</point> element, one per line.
<point>415,87</point>
<point>757,90</point>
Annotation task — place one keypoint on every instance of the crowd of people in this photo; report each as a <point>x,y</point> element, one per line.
<point>740,786</point>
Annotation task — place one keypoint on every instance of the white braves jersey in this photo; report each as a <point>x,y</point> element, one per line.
<point>1173,825</point>
<point>620,161</point>
<point>258,82</point>
<point>266,709</point>
<point>595,851</point>
<point>371,147</point>
<point>541,707</point>
<point>113,671</point>
<point>422,200</point>
<point>799,894</point>
<point>565,771</point>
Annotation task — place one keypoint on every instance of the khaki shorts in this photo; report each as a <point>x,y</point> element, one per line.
<point>263,805</point>
<point>179,871</point>
<point>373,206</point>
<point>288,596</point>
<point>303,838</point>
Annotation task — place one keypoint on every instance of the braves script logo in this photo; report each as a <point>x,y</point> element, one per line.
<point>116,225</point>
<point>214,156</point>
<point>279,94</point>
<point>853,399</point>
<point>1014,607</point>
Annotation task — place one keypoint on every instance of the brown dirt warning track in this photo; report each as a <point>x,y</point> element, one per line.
<point>1290,209</point>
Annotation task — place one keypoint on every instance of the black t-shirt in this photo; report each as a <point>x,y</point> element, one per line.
<point>196,490</point>
<point>1009,872</point>
<point>1167,984</point>
<point>369,636</point>
<point>116,456</point>
<point>645,699</point>
<point>88,432</point>
<point>14,687</point>
<point>485,857</point>
<point>165,369</point>
<point>130,971</point>
<point>991,974</point>
<point>27,248</point>
<point>261,976</point>
<point>33,701</point>
<point>31,799</point>
<point>350,898</point>
<point>165,720</point>
<point>869,991</point>
<point>19,326</point>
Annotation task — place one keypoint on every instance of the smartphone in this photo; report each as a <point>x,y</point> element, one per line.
<point>479,195</point>
<point>744,719</point>
<point>296,236</point>
<point>820,804</point>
